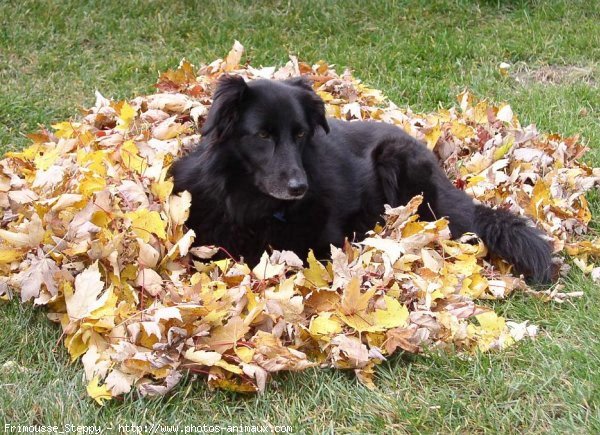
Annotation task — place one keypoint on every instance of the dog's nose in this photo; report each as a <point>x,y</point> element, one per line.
<point>297,187</point>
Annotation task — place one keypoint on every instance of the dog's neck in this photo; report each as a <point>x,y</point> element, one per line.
<point>241,211</point>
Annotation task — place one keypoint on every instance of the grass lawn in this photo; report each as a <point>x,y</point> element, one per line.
<point>54,54</point>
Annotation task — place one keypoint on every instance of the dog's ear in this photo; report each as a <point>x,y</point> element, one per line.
<point>224,112</point>
<point>313,104</point>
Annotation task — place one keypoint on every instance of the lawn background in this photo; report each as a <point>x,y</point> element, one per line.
<point>54,54</point>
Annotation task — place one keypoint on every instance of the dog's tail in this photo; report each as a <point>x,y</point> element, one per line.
<point>513,239</point>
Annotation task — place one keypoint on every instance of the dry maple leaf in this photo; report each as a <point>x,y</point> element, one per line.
<point>91,229</point>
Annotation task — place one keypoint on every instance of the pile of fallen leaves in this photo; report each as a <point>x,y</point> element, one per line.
<point>91,230</point>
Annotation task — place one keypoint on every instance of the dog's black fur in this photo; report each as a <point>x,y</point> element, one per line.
<point>272,171</point>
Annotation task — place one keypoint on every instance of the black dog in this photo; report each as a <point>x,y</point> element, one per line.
<point>272,172</point>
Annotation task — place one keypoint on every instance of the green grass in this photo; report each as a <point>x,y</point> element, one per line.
<point>54,54</point>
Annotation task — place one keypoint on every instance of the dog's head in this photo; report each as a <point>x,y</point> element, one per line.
<point>267,124</point>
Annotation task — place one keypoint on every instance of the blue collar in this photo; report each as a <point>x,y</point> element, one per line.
<point>280,215</point>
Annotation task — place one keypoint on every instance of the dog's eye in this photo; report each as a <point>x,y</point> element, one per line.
<point>300,134</point>
<point>263,134</point>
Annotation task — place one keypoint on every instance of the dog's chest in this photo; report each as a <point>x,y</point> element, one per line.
<point>290,228</point>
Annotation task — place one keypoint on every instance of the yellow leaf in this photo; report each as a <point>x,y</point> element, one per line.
<point>126,116</point>
<point>235,385</point>
<point>223,264</point>
<point>475,180</point>
<point>540,197</point>
<point>584,247</point>
<point>91,183</point>
<point>65,130</point>
<point>75,344</point>
<point>107,311</point>
<point>491,322</point>
<point>353,300</point>
<point>461,131</point>
<point>504,148</point>
<point>229,367</point>
<point>432,136</point>
<point>583,266</point>
<point>225,337</point>
<point>316,274</point>
<point>162,189</point>
<point>9,255</point>
<point>145,222</point>
<point>43,162</point>
<point>325,96</point>
<point>333,110</point>
<point>86,138</point>
<point>324,324</point>
<point>361,322</point>
<point>474,286</point>
<point>244,353</point>
<point>99,393</point>
<point>253,301</point>
<point>131,159</point>
<point>395,314</point>
<point>203,357</point>
<point>28,153</point>
<point>100,219</point>
<point>480,113</point>
<point>29,235</point>
<point>584,213</point>
<point>94,161</point>
<point>394,291</point>
<point>365,376</point>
